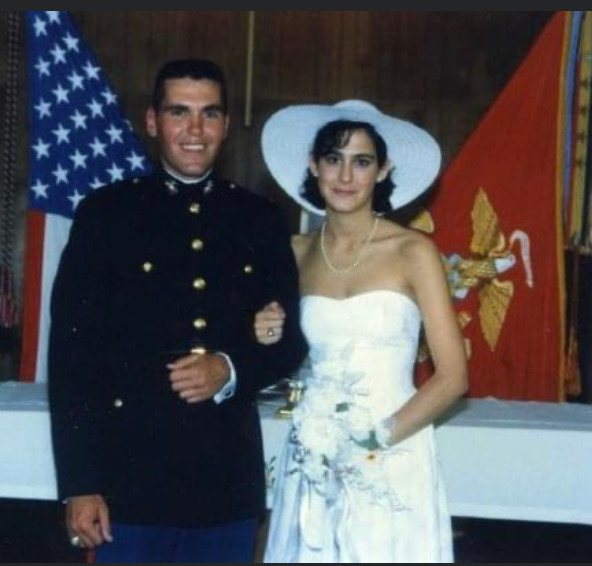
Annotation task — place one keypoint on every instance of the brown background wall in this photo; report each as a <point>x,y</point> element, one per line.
<point>439,69</point>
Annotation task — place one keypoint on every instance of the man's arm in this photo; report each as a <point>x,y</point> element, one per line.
<point>73,382</point>
<point>258,366</point>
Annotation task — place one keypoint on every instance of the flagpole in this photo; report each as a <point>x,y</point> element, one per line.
<point>8,306</point>
<point>251,19</point>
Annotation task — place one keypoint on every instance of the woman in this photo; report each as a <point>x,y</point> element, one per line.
<point>359,480</point>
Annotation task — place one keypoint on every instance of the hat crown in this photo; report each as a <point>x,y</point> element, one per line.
<point>359,105</point>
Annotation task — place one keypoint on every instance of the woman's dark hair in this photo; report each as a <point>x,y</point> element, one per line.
<point>196,69</point>
<point>336,135</point>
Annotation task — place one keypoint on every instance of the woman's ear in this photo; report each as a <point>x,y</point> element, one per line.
<point>312,165</point>
<point>384,171</point>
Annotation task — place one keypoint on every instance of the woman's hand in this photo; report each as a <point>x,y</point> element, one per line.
<point>269,324</point>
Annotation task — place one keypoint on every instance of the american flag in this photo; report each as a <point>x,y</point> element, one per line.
<point>79,141</point>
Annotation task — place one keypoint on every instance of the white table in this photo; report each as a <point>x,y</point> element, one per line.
<point>501,460</point>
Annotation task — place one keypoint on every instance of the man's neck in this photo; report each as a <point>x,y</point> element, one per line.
<point>184,179</point>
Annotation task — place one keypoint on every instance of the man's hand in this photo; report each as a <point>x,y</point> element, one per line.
<point>87,517</point>
<point>269,324</point>
<point>199,377</point>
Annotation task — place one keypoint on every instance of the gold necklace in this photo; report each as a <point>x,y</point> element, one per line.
<point>350,268</point>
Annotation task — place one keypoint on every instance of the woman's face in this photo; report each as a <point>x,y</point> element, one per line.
<point>347,176</point>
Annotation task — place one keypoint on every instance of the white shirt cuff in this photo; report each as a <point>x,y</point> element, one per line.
<point>229,389</point>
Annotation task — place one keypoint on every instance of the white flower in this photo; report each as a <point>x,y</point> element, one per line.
<point>322,435</point>
<point>359,423</point>
<point>314,468</point>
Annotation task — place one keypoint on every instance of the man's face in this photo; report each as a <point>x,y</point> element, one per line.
<point>190,125</point>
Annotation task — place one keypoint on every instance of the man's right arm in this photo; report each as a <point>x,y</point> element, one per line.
<point>74,350</point>
<point>87,517</point>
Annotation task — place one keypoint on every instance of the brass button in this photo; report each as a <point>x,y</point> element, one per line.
<point>200,351</point>
<point>195,208</point>
<point>199,284</point>
<point>118,403</point>
<point>200,323</point>
<point>197,245</point>
<point>249,269</point>
<point>148,267</point>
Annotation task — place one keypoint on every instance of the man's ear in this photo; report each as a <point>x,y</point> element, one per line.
<point>151,126</point>
<point>226,125</point>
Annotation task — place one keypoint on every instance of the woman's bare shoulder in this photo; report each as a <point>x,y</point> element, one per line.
<point>302,243</point>
<point>408,242</point>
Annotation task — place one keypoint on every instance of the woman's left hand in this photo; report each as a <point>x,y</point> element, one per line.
<point>269,324</point>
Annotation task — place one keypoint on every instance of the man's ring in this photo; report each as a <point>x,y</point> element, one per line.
<point>76,541</point>
<point>271,333</point>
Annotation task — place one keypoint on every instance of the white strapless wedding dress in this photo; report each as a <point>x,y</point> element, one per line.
<point>336,500</point>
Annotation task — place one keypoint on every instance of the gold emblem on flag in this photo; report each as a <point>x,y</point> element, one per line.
<point>490,257</point>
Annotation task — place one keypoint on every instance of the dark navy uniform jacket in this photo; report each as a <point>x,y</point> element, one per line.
<point>153,270</point>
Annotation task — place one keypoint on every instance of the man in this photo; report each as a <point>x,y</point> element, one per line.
<point>153,362</point>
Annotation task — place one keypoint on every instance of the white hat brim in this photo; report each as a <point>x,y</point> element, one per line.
<point>288,136</point>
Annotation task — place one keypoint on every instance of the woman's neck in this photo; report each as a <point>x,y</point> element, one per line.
<point>349,228</point>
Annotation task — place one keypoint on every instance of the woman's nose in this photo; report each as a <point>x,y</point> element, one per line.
<point>345,172</point>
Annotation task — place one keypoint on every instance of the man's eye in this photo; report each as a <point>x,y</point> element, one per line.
<point>176,111</point>
<point>213,114</point>
<point>332,159</point>
<point>363,162</point>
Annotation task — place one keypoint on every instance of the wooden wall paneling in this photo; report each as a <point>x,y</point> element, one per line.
<point>440,69</point>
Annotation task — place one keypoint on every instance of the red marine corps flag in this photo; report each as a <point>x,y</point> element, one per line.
<point>498,224</point>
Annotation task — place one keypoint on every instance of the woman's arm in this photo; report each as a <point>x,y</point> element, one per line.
<point>449,382</point>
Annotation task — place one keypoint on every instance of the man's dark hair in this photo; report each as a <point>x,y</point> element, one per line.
<point>195,69</point>
<point>336,135</point>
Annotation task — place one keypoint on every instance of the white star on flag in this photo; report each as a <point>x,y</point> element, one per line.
<point>40,27</point>
<point>98,147</point>
<point>42,149</point>
<point>43,108</point>
<point>79,120</point>
<point>54,17</point>
<point>61,174</point>
<point>43,67</point>
<point>71,42</point>
<point>61,94</point>
<point>135,161</point>
<point>91,71</point>
<point>96,183</point>
<point>79,159</point>
<point>40,190</point>
<point>75,199</point>
<point>96,108</point>
<point>109,97</point>
<point>62,134</point>
<point>116,173</point>
<point>76,80</point>
<point>115,134</point>
<point>59,55</point>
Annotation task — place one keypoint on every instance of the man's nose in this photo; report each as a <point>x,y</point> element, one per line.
<point>195,125</point>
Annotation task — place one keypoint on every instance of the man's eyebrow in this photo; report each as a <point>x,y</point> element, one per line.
<point>175,106</point>
<point>213,107</point>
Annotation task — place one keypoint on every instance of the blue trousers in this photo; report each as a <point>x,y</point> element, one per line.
<point>232,543</point>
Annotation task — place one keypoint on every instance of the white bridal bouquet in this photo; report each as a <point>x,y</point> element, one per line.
<point>337,440</point>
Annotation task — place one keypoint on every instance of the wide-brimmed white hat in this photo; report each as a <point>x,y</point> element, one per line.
<point>288,136</point>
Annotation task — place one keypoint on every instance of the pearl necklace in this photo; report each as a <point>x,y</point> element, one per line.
<point>350,268</point>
